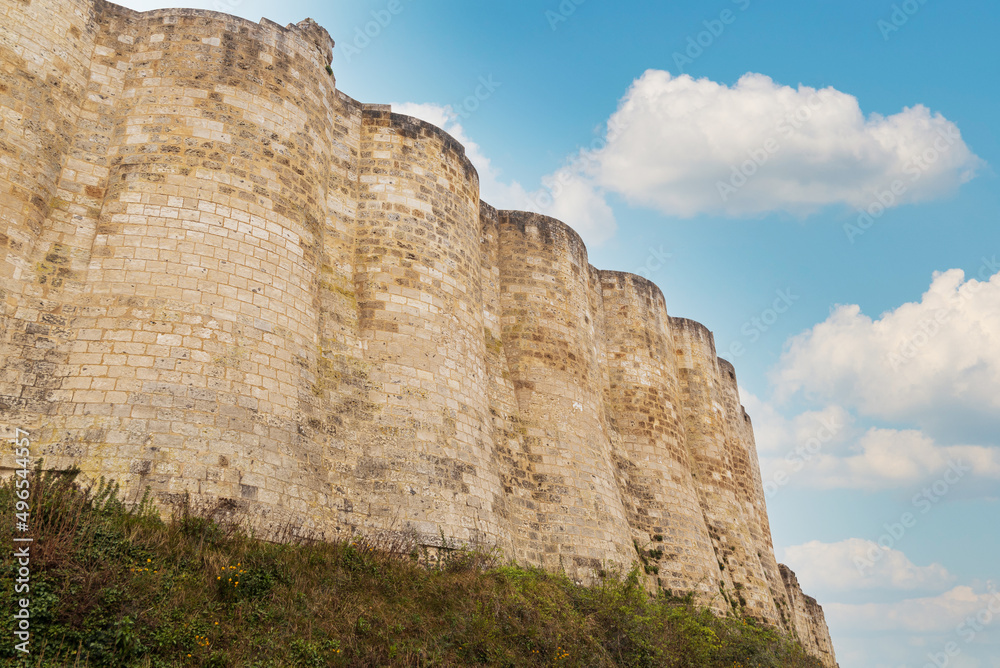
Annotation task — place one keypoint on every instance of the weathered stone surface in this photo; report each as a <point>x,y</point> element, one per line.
<point>221,277</point>
<point>808,621</point>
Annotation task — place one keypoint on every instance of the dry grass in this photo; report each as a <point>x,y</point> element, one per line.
<point>113,585</point>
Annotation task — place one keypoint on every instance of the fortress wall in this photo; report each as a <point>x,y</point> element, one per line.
<point>45,52</point>
<point>808,620</point>
<point>219,275</point>
<point>736,448</point>
<point>551,343</point>
<point>824,643</point>
<point>759,499</point>
<point>749,491</point>
<point>765,548</point>
<point>504,422</point>
<point>46,48</point>
<point>429,459</point>
<point>642,396</point>
<point>617,450</point>
<point>710,444</point>
<point>195,341</point>
<point>341,385</point>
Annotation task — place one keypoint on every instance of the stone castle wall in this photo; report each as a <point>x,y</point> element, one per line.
<point>807,619</point>
<point>221,277</point>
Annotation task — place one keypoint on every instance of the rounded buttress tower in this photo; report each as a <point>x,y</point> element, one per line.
<point>194,339</point>
<point>45,56</point>
<point>427,457</point>
<point>643,401</point>
<point>710,446</point>
<point>551,310</point>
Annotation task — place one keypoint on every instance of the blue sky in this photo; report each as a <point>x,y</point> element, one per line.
<point>874,347</point>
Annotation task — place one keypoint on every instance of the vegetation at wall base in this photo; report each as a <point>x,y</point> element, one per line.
<point>114,585</point>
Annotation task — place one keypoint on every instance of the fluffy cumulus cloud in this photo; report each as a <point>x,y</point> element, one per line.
<point>686,146</point>
<point>877,459</point>
<point>572,197</point>
<point>827,448</point>
<point>934,363</point>
<point>566,194</point>
<point>832,567</point>
<point>960,610</point>
<point>777,436</point>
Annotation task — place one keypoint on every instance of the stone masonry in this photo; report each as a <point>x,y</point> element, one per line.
<point>223,279</point>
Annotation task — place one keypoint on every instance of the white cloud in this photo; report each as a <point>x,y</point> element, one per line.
<point>944,613</point>
<point>778,436</point>
<point>881,459</point>
<point>673,140</point>
<point>932,361</point>
<point>573,199</point>
<point>827,449</point>
<point>934,364</point>
<point>833,567</point>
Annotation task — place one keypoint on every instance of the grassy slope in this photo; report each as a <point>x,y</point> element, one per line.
<point>117,587</point>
